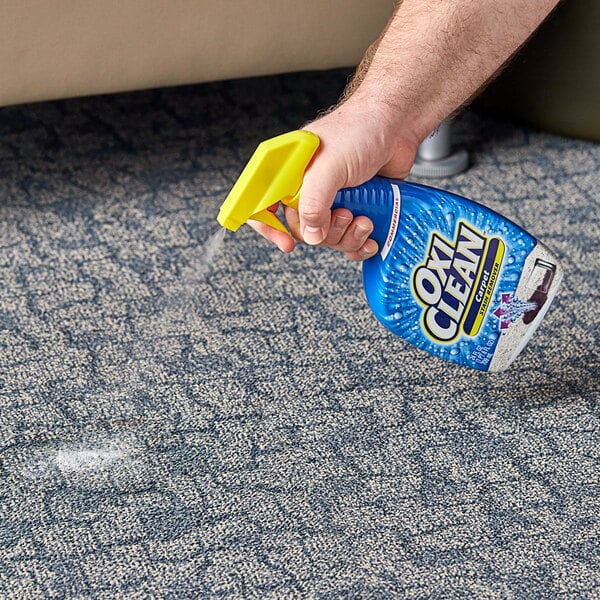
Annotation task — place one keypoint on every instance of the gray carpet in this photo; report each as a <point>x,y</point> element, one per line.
<point>188,418</point>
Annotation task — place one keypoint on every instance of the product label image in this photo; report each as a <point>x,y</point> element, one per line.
<point>446,265</point>
<point>456,283</point>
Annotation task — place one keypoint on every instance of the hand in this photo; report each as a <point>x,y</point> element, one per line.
<point>428,61</point>
<point>359,139</point>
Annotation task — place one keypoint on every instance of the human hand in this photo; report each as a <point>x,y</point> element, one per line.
<point>428,61</point>
<point>359,139</point>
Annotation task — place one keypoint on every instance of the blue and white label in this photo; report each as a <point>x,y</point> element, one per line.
<point>444,265</point>
<point>395,219</point>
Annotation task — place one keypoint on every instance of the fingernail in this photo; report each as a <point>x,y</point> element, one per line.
<point>361,231</point>
<point>341,223</point>
<point>369,249</point>
<point>313,235</point>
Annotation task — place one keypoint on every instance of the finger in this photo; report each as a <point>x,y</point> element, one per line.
<point>314,212</point>
<point>322,180</point>
<point>292,218</point>
<point>367,250</point>
<point>341,219</point>
<point>356,235</point>
<point>282,240</point>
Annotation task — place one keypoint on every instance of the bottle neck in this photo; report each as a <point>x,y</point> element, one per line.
<point>378,199</point>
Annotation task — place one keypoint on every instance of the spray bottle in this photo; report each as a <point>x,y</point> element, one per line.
<point>452,277</point>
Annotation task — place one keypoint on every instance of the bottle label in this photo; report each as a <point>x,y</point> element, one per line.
<point>456,282</point>
<point>449,274</point>
<point>394,220</point>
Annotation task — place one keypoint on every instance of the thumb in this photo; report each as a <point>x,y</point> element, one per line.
<point>322,180</point>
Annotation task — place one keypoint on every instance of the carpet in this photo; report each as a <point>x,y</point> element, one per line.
<point>189,416</point>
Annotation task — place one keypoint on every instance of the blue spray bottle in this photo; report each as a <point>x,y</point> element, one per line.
<point>451,276</point>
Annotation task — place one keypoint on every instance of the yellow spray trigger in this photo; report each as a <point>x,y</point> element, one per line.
<point>273,174</point>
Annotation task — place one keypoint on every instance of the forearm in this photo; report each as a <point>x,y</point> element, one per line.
<point>430,59</point>
<point>434,55</point>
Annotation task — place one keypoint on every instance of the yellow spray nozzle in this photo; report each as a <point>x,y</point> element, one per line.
<point>273,174</point>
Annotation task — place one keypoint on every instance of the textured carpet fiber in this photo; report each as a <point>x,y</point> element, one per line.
<point>183,416</point>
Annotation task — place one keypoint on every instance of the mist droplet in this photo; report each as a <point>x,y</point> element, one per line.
<point>201,259</point>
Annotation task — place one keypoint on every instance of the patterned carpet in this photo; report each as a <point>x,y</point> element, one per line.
<point>183,416</point>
